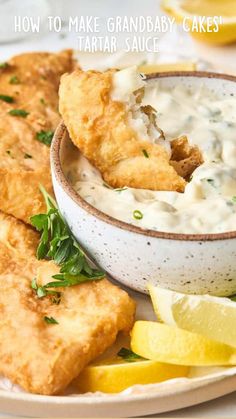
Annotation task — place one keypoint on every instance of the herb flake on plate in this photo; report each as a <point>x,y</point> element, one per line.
<point>145,153</point>
<point>6,98</point>
<point>128,355</point>
<point>50,320</point>
<point>45,137</point>
<point>14,80</point>
<point>19,112</point>
<point>41,292</point>
<point>4,65</point>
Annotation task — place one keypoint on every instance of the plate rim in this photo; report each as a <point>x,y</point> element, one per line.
<point>72,399</point>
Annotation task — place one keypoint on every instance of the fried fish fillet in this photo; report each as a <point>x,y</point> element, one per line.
<point>31,81</point>
<point>99,127</point>
<point>44,358</point>
<point>185,158</point>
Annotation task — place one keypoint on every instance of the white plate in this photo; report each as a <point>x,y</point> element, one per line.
<point>206,384</point>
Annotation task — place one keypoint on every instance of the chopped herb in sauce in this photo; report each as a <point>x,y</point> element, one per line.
<point>145,153</point>
<point>8,152</point>
<point>234,199</point>
<point>6,98</point>
<point>128,355</point>
<point>137,215</point>
<point>14,80</point>
<point>19,112</point>
<point>50,320</point>
<point>211,182</point>
<point>45,137</point>
<point>42,101</point>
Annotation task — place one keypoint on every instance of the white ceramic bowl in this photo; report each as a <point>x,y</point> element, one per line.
<point>200,263</point>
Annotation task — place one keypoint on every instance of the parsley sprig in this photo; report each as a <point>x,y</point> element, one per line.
<point>58,243</point>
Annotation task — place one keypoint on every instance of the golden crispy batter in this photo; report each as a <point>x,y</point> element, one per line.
<point>44,358</point>
<point>99,127</point>
<point>24,161</point>
<point>185,158</point>
<point>89,317</point>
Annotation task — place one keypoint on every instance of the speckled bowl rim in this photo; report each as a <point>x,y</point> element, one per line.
<point>56,166</point>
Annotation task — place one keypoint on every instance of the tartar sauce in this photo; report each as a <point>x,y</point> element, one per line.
<point>208,204</point>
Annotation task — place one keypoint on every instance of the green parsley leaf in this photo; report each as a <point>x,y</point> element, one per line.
<point>145,153</point>
<point>19,112</point>
<point>50,320</point>
<point>58,243</point>
<point>27,156</point>
<point>45,137</point>
<point>234,199</point>
<point>34,284</point>
<point>6,98</point>
<point>3,66</point>
<point>41,292</point>
<point>14,80</point>
<point>128,355</point>
<point>138,215</point>
<point>233,298</point>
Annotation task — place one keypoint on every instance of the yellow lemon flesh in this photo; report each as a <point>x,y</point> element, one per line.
<point>182,9</point>
<point>158,68</point>
<point>213,317</point>
<point>163,343</point>
<point>116,375</point>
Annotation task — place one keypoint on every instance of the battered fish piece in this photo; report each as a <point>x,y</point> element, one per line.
<point>42,357</point>
<point>185,158</point>
<point>29,82</point>
<point>111,133</point>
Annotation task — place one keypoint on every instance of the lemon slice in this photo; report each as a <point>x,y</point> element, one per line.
<point>188,10</point>
<point>163,343</point>
<point>158,68</point>
<point>116,375</point>
<point>213,317</point>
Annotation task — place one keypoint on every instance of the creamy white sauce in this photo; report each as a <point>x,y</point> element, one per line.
<point>208,204</point>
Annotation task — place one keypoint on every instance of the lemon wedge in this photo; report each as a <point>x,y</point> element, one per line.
<point>116,375</point>
<point>185,9</point>
<point>163,343</point>
<point>213,317</point>
<point>159,68</point>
